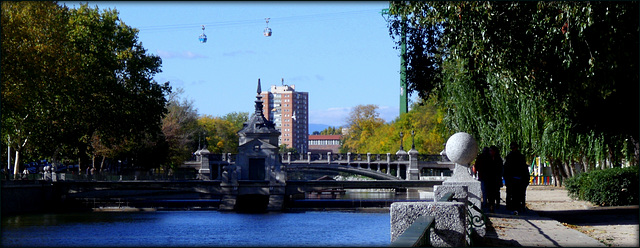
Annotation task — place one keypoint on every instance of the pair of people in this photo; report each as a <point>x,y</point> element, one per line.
<point>491,171</point>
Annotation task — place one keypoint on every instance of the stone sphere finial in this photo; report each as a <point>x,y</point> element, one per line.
<point>461,148</point>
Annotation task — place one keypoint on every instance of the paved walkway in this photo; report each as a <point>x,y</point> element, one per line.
<point>540,226</point>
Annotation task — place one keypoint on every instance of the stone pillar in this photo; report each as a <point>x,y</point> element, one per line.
<point>205,167</point>
<point>328,157</point>
<point>413,172</point>
<point>461,148</point>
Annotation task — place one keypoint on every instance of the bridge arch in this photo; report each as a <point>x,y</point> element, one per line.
<point>342,168</point>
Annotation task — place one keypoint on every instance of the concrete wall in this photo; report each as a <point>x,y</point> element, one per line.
<point>28,197</point>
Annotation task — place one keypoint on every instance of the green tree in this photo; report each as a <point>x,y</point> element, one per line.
<point>237,119</point>
<point>284,149</point>
<point>331,131</point>
<point>220,135</point>
<point>363,121</point>
<point>424,119</point>
<point>32,72</point>
<point>180,128</point>
<point>535,72</point>
<point>75,78</point>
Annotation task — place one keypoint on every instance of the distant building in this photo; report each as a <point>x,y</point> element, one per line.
<point>289,110</point>
<point>324,143</point>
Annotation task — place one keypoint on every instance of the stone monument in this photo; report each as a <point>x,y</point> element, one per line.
<point>256,181</point>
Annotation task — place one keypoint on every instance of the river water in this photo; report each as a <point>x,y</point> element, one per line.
<point>196,228</point>
<point>207,228</point>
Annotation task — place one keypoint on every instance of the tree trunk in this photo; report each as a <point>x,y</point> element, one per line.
<point>83,159</point>
<point>568,168</point>
<point>102,163</point>
<point>554,172</point>
<point>16,166</point>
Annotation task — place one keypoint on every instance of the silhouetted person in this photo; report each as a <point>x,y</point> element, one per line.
<point>516,176</point>
<point>494,178</point>
<point>480,167</point>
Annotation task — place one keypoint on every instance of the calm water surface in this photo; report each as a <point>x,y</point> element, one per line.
<point>197,228</point>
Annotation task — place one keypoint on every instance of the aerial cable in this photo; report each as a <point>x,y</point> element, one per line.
<point>249,22</point>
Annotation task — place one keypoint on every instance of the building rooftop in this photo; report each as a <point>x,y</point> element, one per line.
<point>325,137</point>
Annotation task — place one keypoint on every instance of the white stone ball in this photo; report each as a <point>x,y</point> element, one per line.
<point>461,148</point>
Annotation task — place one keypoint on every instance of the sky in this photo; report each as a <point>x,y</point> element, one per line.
<point>339,52</point>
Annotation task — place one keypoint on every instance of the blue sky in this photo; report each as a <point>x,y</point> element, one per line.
<point>339,52</point>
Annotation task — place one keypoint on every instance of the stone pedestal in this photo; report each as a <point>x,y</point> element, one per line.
<point>461,177</point>
<point>460,193</point>
<point>461,149</point>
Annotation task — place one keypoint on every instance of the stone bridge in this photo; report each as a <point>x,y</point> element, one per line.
<point>387,166</point>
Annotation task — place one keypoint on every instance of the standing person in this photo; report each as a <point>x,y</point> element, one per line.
<point>494,179</point>
<point>480,167</point>
<point>516,176</point>
<point>25,174</point>
<point>89,173</point>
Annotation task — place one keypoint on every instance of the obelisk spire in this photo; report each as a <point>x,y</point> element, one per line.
<point>259,101</point>
<point>259,87</point>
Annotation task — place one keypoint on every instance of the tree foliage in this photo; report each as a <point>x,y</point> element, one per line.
<point>180,129</point>
<point>363,121</point>
<point>221,133</point>
<point>331,131</point>
<point>544,74</point>
<point>76,82</point>
<point>424,119</point>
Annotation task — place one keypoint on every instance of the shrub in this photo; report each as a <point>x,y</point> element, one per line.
<point>609,187</point>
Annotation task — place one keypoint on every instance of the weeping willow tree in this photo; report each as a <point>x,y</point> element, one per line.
<point>559,78</point>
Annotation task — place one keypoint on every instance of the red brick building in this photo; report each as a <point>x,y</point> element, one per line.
<point>324,143</point>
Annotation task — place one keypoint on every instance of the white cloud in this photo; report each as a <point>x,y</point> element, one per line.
<point>179,55</point>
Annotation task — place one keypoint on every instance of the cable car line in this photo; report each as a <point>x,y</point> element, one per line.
<point>288,19</point>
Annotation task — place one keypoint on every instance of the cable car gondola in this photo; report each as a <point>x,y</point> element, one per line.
<point>267,30</point>
<point>203,37</point>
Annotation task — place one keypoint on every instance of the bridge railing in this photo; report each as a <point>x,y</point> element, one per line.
<point>433,158</point>
<point>343,158</point>
<point>336,157</point>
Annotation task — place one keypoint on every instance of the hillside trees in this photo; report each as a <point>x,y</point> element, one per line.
<point>331,131</point>
<point>544,74</point>
<point>76,82</point>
